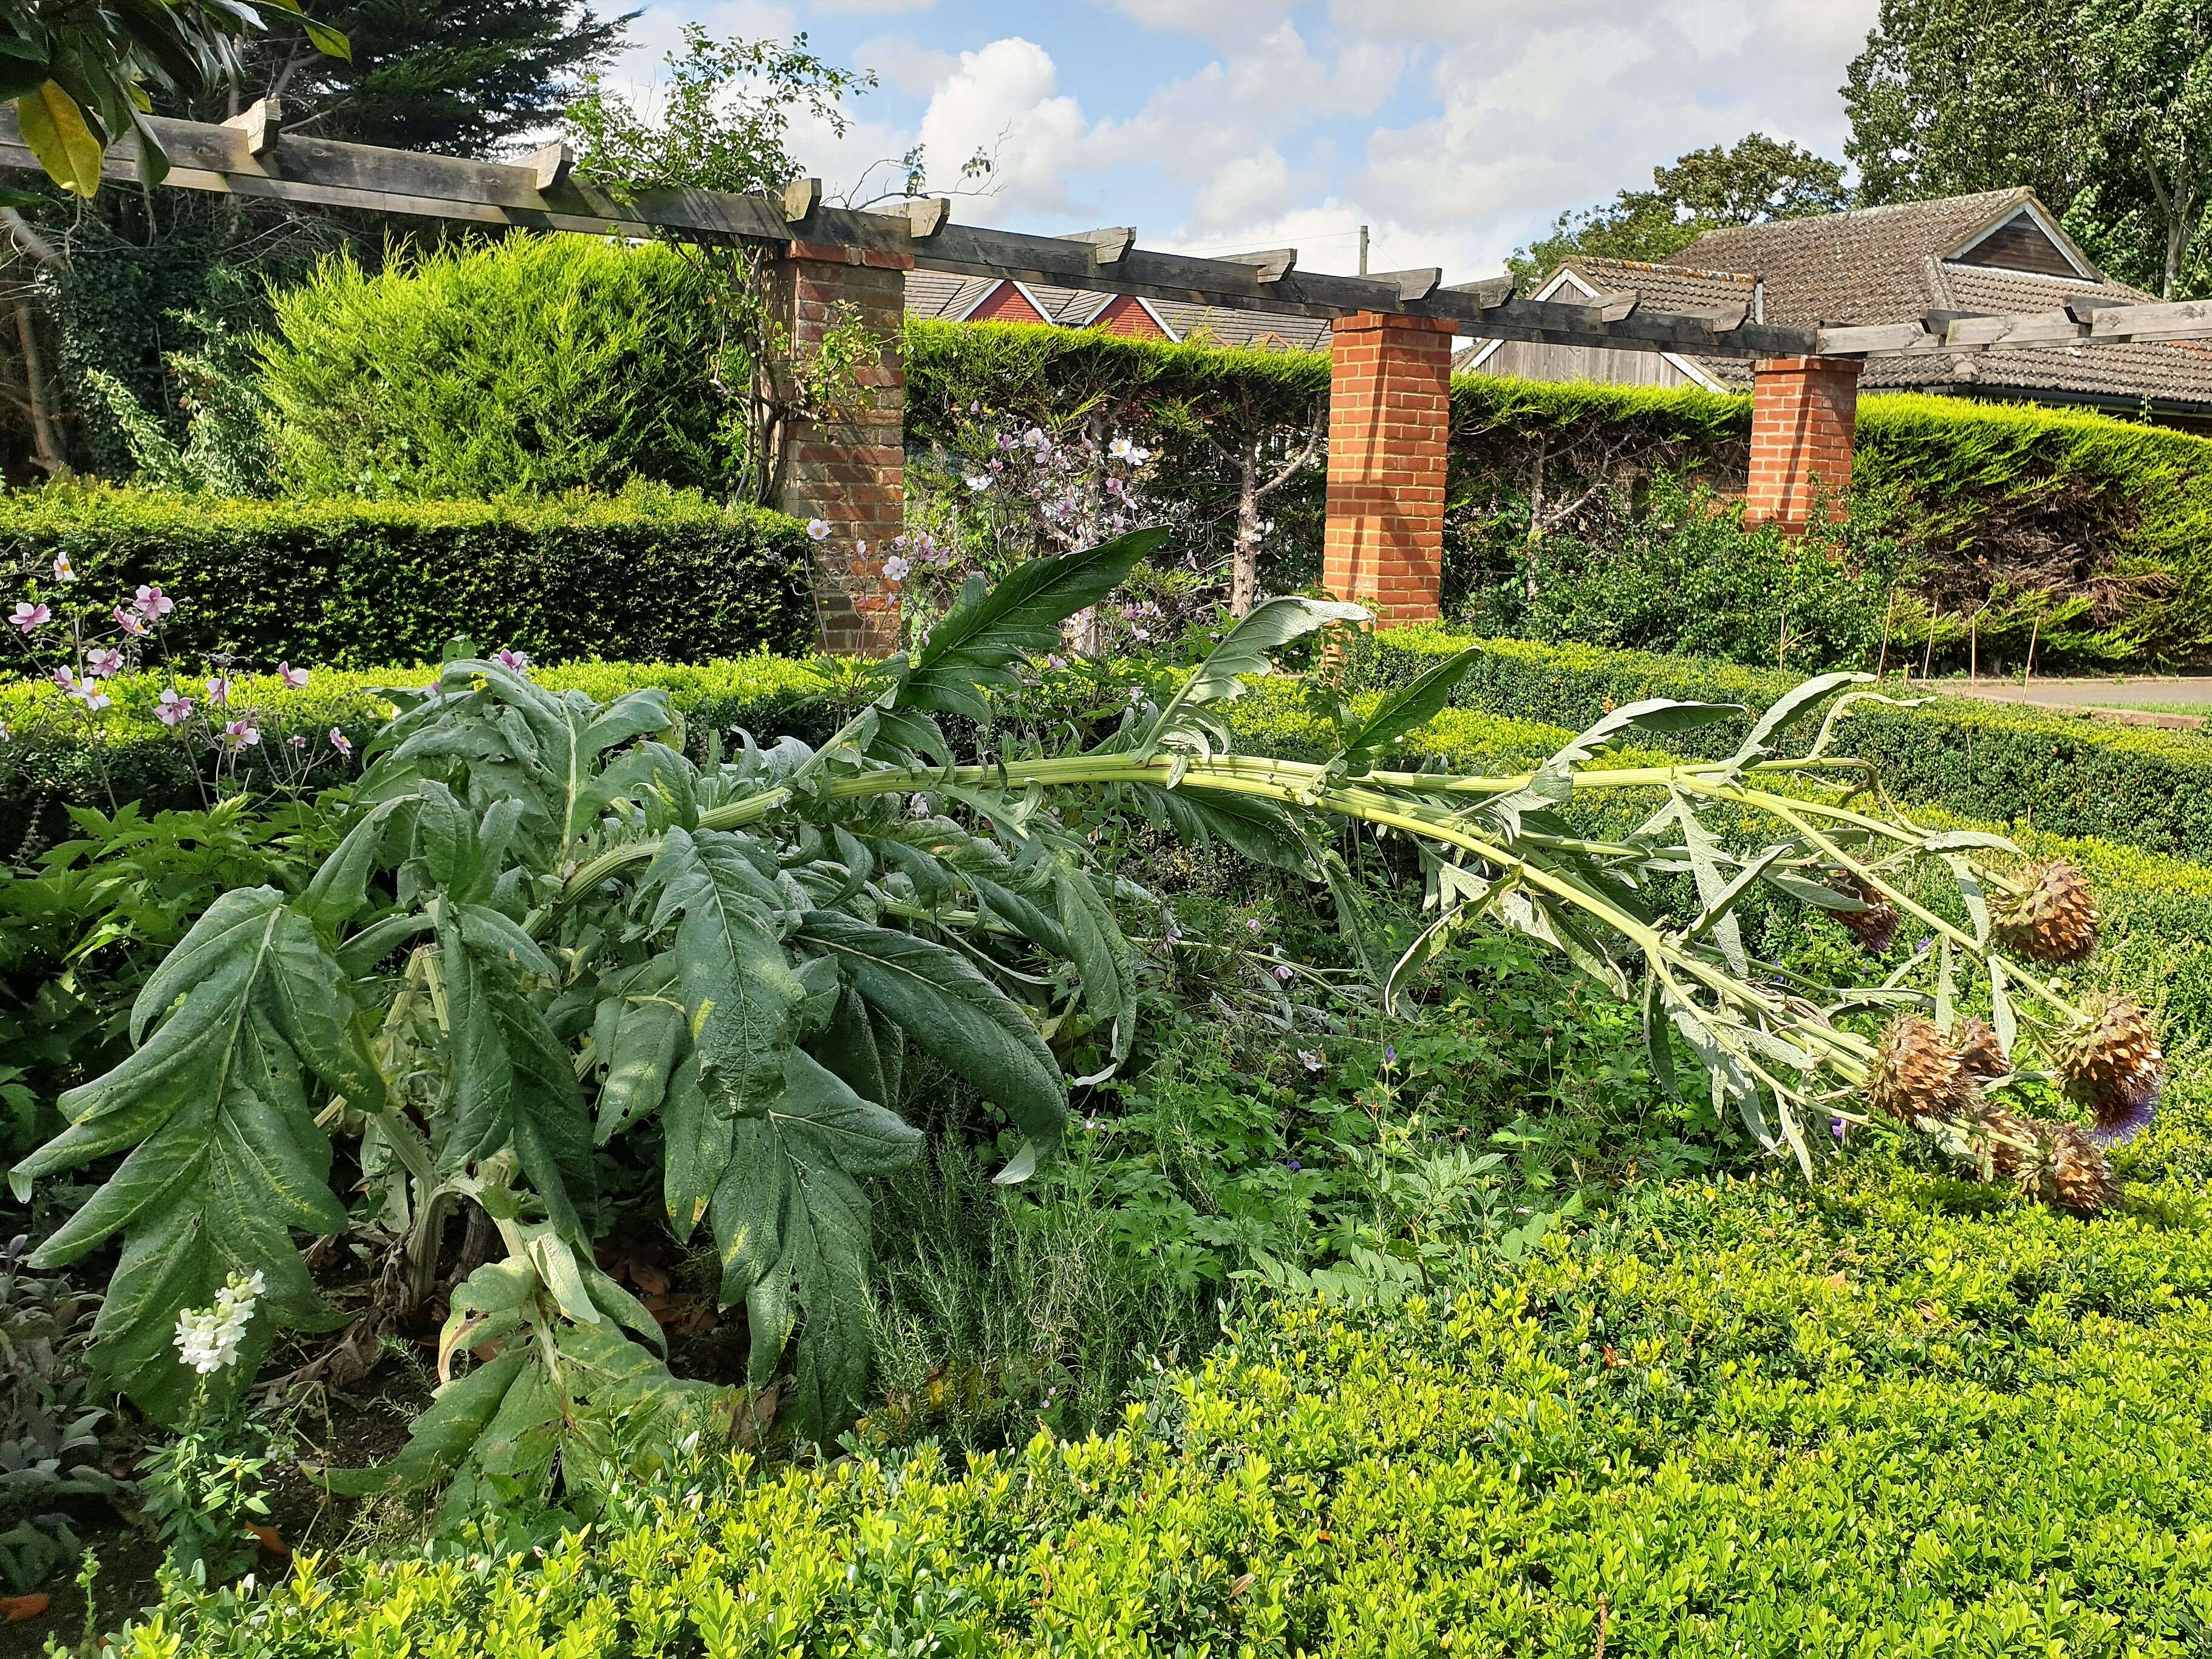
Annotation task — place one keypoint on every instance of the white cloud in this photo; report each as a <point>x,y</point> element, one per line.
<point>884,7</point>
<point>1004,101</point>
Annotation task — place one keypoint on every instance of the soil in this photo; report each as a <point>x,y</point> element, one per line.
<point>353,1427</point>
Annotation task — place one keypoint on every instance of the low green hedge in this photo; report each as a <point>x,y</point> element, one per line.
<point>2066,773</point>
<point>2071,774</point>
<point>653,573</point>
<point>1901,1416</point>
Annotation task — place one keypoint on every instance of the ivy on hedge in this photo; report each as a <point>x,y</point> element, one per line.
<point>653,572</point>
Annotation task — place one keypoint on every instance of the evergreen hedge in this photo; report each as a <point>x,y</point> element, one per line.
<point>2068,775</point>
<point>1898,1415</point>
<point>2071,774</point>
<point>1988,502</point>
<point>653,573</point>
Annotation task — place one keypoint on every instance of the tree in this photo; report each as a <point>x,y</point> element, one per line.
<point>2102,107</point>
<point>80,74</point>
<point>457,77</point>
<point>1755,179</point>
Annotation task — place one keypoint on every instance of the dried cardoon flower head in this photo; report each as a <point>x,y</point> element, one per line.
<point>1875,926</point>
<point>1917,1073</point>
<point>2112,1065</point>
<point>1979,1051</point>
<point>2049,913</point>
<point>2059,1164</point>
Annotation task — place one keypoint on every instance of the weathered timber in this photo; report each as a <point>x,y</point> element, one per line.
<point>263,124</point>
<point>541,193</point>
<point>1273,264</point>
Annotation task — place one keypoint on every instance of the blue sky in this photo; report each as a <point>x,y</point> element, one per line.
<point>1455,127</point>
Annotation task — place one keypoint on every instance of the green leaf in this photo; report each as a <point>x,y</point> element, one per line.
<point>865,1047</point>
<point>742,999</point>
<point>1789,706</point>
<point>1265,831</point>
<point>1101,955</point>
<point>1406,709</point>
<point>225,1157</point>
<point>1656,714</point>
<point>943,1003</point>
<point>972,647</point>
<point>793,1229</point>
<point>1247,648</point>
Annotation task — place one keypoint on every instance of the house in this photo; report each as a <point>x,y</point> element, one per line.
<point>936,294</point>
<point>1998,252</point>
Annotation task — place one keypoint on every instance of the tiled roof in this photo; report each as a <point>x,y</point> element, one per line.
<point>934,293</point>
<point>1665,288</point>
<point>1889,265</point>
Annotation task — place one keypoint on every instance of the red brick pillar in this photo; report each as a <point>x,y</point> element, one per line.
<point>849,470</point>
<point>1389,419</point>
<point>1804,413</point>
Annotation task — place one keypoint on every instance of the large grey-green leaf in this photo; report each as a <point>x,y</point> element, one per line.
<point>1247,648</point>
<point>943,1003</point>
<point>793,1228</point>
<point>1406,709</point>
<point>741,997</point>
<point>972,646</point>
<point>226,1158</point>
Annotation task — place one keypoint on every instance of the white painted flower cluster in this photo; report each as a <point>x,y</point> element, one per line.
<point>207,1338</point>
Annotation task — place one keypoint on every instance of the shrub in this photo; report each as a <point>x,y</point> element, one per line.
<point>652,572</point>
<point>1906,1418</point>
<point>2072,775</point>
<point>529,366</point>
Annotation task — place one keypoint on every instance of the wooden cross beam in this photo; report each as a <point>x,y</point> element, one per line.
<point>256,157</point>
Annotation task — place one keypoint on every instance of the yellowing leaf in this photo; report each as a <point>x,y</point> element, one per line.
<point>55,129</point>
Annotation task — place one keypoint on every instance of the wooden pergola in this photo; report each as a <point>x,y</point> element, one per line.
<point>1389,409</point>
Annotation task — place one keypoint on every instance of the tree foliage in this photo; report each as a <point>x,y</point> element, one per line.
<point>456,78</point>
<point>1755,179</point>
<point>2103,107</point>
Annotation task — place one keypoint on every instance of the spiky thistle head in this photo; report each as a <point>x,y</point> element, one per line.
<point>1917,1073</point>
<point>2049,913</point>
<point>2059,1164</point>
<point>1875,926</point>
<point>1979,1051</point>
<point>2112,1063</point>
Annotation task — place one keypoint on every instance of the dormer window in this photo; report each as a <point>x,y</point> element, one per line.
<point>2025,242</point>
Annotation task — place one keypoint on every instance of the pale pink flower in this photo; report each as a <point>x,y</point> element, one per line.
<point>296,679</point>
<point>340,742</point>
<point>298,740</point>
<point>517,660</point>
<point>128,622</point>
<point>219,691</point>
<point>86,691</point>
<point>64,570</point>
<point>27,615</point>
<point>240,734</point>
<point>818,529</point>
<point>153,603</point>
<point>895,569</point>
<point>103,661</point>
<point>172,709</point>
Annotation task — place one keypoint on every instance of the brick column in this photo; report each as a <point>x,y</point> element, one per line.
<point>849,470</point>
<point>1803,414</point>
<point>1389,419</point>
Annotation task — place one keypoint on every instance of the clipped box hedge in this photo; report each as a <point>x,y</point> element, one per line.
<point>2069,774</point>
<point>1898,1416</point>
<point>2073,775</point>
<point>652,573</point>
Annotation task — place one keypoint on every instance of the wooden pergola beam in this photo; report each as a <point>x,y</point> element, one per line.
<point>255,157</point>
